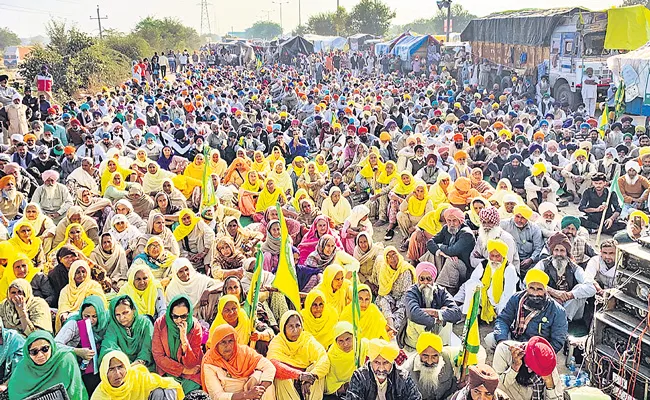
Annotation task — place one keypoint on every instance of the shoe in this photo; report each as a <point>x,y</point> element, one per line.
<point>562,203</point>
<point>576,199</point>
<point>389,234</point>
<point>381,222</point>
<point>404,246</point>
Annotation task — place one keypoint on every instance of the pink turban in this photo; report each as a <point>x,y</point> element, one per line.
<point>426,267</point>
<point>489,215</point>
<point>50,174</point>
<point>455,212</point>
<point>11,167</point>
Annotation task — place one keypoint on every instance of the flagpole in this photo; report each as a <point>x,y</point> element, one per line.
<point>602,218</point>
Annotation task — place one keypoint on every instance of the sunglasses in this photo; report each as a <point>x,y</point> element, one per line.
<point>44,350</point>
<point>181,317</point>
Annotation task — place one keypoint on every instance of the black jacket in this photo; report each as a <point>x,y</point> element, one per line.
<point>364,386</point>
<point>461,247</point>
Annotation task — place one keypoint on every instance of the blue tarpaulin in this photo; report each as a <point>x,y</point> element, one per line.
<point>382,48</point>
<point>409,45</point>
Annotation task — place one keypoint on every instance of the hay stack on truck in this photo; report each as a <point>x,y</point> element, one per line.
<point>560,43</point>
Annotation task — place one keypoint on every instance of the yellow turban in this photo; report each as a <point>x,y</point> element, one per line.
<point>580,152</point>
<point>524,210</point>
<point>641,214</point>
<point>538,168</point>
<point>644,150</point>
<point>380,347</point>
<point>498,245</point>
<point>505,132</point>
<point>537,276</point>
<point>428,339</point>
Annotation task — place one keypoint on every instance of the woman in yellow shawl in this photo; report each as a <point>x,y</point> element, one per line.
<point>301,194</point>
<point>217,164</point>
<point>260,165</point>
<point>370,168</point>
<point>372,323</point>
<point>295,354</point>
<point>9,274</point>
<point>75,235</point>
<point>270,195</point>
<point>412,210</point>
<point>472,219</point>
<point>249,192</point>
<point>194,169</point>
<point>79,287</point>
<point>439,190</point>
<point>342,359</point>
<point>112,166</point>
<point>405,185</point>
<point>319,317</point>
<point>378,202</point>
<point>230,312</point>
<point>336,207</point>
<point>116,188</point>
<point>141,162</point>
<point>42,225</point>
<point>428,227</point>
<point>322,166</point>
<point>335,287</point>
<point>146,291</point>
<point>122,381</point>
<point>152,181</point>
<point>281,177</point>
<point>24,240</point>
<point>396,276</point>
<point>236,173</point>
<point>311,180</point>
<point>275,156</point>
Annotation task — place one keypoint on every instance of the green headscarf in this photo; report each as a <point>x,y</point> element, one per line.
<point>99,330</point>
<point>173,333</point>
<point>137,346</point>
<point>61,367</point>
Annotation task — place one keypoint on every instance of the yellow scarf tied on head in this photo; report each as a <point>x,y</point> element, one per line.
<point>183,230</point>
<point>388,275</point>
<point>401,188</point>
<point>243,328</point>
<point>145,300</point>
<point>384,178</point>
<point>320,328</point>
<point>417,207</point>
<point>430,222</point>
<point>494,279</point>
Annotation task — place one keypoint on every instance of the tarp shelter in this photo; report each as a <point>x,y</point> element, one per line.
<point>628,28</point>
<point>410,46</point>
<point>634,69</point>
<point>327,43</point>
<point>296,45</point>
<point>358,40</point>
<point>387,47</point>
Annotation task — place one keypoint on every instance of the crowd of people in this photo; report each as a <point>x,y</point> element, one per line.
<point>131,221</point>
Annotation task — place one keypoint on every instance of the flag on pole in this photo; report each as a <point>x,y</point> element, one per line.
<point>604,121</point>
<point>209,198</point>
<point>256,282</point>
<point>619,100</point>
<point>258,61</point>
<point>471,338</point>
<point>615,189</point>
<point>285,276</point>
<point>356,317</point>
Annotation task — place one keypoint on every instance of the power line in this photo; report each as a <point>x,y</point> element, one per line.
<point>99,22</point>
<point>205,18</point>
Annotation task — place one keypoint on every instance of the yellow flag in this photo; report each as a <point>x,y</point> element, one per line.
<point>286,280</point>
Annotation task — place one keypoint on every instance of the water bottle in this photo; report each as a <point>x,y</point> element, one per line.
<point>84,365</point>
<point>572,365</point>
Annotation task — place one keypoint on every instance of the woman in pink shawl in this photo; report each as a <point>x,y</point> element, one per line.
<point>319,228</point>
<point>293,226</point>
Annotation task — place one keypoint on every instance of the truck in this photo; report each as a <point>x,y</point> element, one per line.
<point>560,43</point>
<point>14,55</point>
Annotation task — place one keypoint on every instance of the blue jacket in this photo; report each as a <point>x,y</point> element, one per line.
<point>551,323</point>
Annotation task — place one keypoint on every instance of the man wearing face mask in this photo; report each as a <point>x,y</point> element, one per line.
<point>380,378</point>
<point>568,284</point>
<point>531,312</point>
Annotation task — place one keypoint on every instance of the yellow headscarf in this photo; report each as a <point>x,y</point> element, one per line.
<point>121,186</point>
<point>297,198</point>
<point>338,299</point>
<point>9,276</point>
<point>366,168</point>
<point>145,300</point>
<point>320,328</point>
<point>138,382</point>
<point>342,364</point>
<point>194,170</point>
<point>30,249</point>
<point>282,179</point>
<point>248,186</point>
<point>298,171</point>
<point>339,212</point>
<point>183,230</point>
<point>401,188</point>
<point>388,275</point>
<point>430,222</point>
<point>107,175</point>
<point>372,323</point>
<point>302,353</point>
<point>493,279</point>
<point>266,199</point>
<point>417,207</point>
<point>260,167</point>
<point>323,168</point>
<point>141,159</point>
<point>437,194</point>
<point>384,178</point>
<point>73,295</point>
<point>473,215</point>
<point>89,245</point>
<point>243,328</point>
<point>218,167</point>
<point>273,158</point>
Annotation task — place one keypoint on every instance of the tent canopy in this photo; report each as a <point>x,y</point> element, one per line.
<point>296,45</point>
<point>408,45</point>
<point>634,69</point>
<point>327,43</point>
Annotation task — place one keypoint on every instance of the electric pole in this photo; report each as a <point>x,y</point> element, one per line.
<point>99,22</point>
<point>442,4</point>
<point>205,18</point>
<point>299,20</point>
<point>280,3</point>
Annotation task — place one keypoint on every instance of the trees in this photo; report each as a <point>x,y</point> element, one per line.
<point>167,33</point>
<point>435,25</point>
<point>329,23</point>
<point>370,16</point>
<point>8,38</point>
<point>264,30</point>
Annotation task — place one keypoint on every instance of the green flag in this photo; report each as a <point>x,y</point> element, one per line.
<point>615,189</point>
<point>209,198</point>
<point>471,337</point>
<point>619,100</point>
<point>256,282</point>
<point>356,317</point>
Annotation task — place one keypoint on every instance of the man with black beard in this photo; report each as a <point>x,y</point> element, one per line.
<point>528,370</point>
<point>531,312</point>
<point>601,268</point>
<point>431,369</point>
<point>496,164</point>
<point>429,307</point>
<point>568,284</point>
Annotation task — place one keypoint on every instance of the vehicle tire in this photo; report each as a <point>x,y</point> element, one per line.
<point>563,93</point>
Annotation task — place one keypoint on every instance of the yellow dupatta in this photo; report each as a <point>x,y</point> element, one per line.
<point>145,300</point>
<point>36,224</point>
<point>366,169</point>
<point>342,364</point>
<point>437,193</point>
<point>122,184</point>
<point>321,166</point>
<point>267,199</point>
<point>494,279</point>
<point>338,299</point>
<point>372,324</point>
<point>431,222</point>
<point>141,159</point>
<point>302,353</point>
<point>297,198</point>
<point>194,170</point>
<point>218,167</point>
<point>183,230</point>
<point>73,295</point>
<point>384,178</point>
<point>9,275</point>
<point>401,188</point>
<point>243,328</point>
<point>282,179</point>
<point>388,275</point>
<point>30,249</point>
<point>248,186</point>
<point>338,212</point>
<point>298,171</point>
<point>417,207</point>
<point>107,175</point>
<point>262,167</point>
<point>320,328</point>
<point>89,245</point>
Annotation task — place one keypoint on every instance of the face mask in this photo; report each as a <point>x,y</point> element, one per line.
<point>536,302</point>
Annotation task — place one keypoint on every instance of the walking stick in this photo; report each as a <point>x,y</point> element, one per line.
<point>602,218</point>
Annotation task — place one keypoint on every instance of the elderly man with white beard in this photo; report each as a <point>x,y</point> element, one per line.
<point>490,229</point>
<point>431,368</point>
<point>429,307</point>
<point>12,202</point>
<point>601,268</point>
<point>578,174</point>
<point>634,189</point>
<point>53,197</point>
<point>540,187</point>
<point>568,283</point>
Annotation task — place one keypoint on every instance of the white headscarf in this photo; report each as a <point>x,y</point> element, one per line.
<point>193,288</point>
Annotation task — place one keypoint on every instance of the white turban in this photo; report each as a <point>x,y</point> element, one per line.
<point>632,165</point>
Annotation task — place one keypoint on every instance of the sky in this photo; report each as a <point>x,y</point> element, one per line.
<point>28,18</point>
